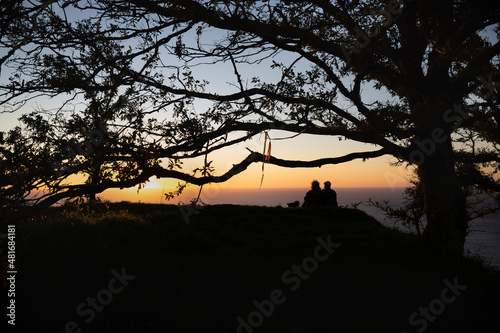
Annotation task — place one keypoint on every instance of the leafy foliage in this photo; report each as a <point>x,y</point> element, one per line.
<point>435,65</point>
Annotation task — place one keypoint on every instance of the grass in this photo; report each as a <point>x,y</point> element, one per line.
<point>203,275</point>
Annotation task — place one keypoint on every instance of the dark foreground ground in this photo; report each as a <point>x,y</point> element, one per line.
<point>145,268</point>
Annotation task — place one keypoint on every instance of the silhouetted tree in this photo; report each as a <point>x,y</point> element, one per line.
<point>482,199</point>
<point>435,64</point>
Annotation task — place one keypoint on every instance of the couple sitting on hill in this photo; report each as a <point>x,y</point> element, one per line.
<point>320,198</point>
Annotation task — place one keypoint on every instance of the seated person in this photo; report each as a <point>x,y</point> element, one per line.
<point>313,197</point>
<point>329,196</point>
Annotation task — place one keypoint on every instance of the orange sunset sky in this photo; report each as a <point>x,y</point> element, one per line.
<point>371,173</point>
<point>375,172</point>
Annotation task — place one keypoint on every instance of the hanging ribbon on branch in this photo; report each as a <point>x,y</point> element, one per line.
<point>266,156</point>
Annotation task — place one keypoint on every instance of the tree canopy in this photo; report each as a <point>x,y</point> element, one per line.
<point>145,68</point>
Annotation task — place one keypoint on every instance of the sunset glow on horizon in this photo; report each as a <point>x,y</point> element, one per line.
<point>373,173</point>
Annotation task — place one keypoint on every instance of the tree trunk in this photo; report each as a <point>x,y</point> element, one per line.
<point>94,179</point>
<point>444,200</point>
<point>92,197</point>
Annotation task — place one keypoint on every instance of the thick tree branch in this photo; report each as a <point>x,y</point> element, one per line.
<point>79,190</point>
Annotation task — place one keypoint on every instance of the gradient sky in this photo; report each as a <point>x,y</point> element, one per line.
<point>375,172</point>
<point>371,173</point>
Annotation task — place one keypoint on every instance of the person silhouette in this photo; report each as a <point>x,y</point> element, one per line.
<point>329,196</point>
<point>313,197</point>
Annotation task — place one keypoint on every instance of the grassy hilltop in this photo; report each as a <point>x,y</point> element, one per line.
<point>145,268</point>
